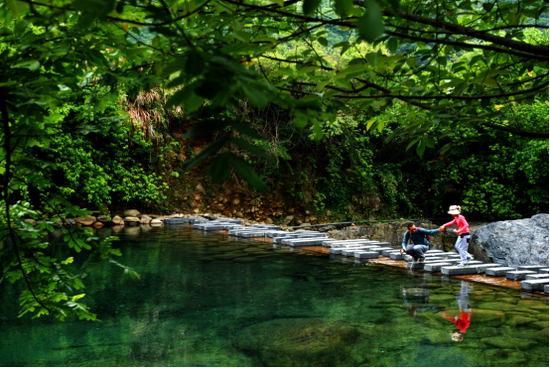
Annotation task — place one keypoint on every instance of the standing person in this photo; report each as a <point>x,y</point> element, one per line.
<point>420,239</point>
<point>463,233</point>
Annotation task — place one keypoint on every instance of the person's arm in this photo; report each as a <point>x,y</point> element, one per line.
<point>449,223</point>
<point>442,227</point>
<point>405,239</point>
<point>430,232</point>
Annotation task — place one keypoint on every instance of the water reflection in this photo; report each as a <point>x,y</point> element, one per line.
<point>417,298</point>
<point>462,320</point>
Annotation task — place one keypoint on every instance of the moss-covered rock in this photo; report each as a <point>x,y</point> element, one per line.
<point>508,342</point>
<point>519,321</point>
<point>298,342</point>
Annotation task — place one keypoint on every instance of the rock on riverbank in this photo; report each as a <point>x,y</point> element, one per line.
<point>513,243</point>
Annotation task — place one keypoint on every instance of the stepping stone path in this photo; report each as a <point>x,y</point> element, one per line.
<point>533,278</point>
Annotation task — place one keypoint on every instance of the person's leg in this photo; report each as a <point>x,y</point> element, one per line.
<point>419,250</point>
<point>411,252</point>
<point>460,248</point>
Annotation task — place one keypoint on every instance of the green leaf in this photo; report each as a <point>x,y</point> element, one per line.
<point>412,144</point>
<point>32,65</point>
<point>219,169</point>
<point>246,172</point>
<point>317,129</point>
<point>309,6</point>
<point>370,25</point>
<point>323,41</point>
<point>343,7</point>
<point>16,7</point>
<point>300,120</point>
<point>420,147</point>
<point>430,142</point>
<point>206,152</point>
<point>370,123</point>
<point>392,45</point>
<point>256,97</point>
<point>202,128</point>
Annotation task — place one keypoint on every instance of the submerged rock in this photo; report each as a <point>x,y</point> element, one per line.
<point>298,342</point>
<point>508,342</point>
<point>513,243</point>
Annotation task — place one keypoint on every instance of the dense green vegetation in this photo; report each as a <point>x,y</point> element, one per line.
<point>363,107</point>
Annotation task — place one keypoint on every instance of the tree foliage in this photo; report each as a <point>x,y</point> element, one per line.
<point>452,63</point>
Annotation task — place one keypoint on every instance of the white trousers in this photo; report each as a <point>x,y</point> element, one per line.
<point>461,246</point>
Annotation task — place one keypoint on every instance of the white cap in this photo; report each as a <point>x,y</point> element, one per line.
<point>454,210</point>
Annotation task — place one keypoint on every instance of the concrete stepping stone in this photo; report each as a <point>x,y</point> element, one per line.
<point>518,275</point>
<point>536,276</point>
<point>367,255</point>
<point>455,270</point>
<point>483,266</point>
<point>498,271</point>
<point>174,221</point>
<point>251,234</point>
<point>383,244</point>
<point>531,268</point>
<point>436,267</point>
<point>333,242</point>
<point>378,250</point>
<point>434,251</point>
<point>228,221</point>
<point>273,233</point>
<point>397,256</point>
<point>388,251</point>
<point>544,270</point>
<point>337,250</point>
<point>298,242</point>
<point>436,260</point>
<point>318,235</point>
<point>416,265</point>
<point>534,285</point>
<point>351,252</point>
<point>208,227</point>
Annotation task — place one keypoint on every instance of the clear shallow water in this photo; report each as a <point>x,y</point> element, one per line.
<point>206,300</point>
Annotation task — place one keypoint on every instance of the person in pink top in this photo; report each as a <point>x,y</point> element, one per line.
<point>463,233</point>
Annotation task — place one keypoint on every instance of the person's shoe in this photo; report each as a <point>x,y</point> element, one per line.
<point>462,265</point>
<point>470,257</point>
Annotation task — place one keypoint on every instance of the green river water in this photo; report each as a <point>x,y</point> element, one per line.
<point>209,300</point>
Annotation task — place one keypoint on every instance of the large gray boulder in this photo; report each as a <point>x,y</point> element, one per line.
<point>513,243</point>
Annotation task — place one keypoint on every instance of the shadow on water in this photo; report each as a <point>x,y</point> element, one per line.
<point>206,300</point>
